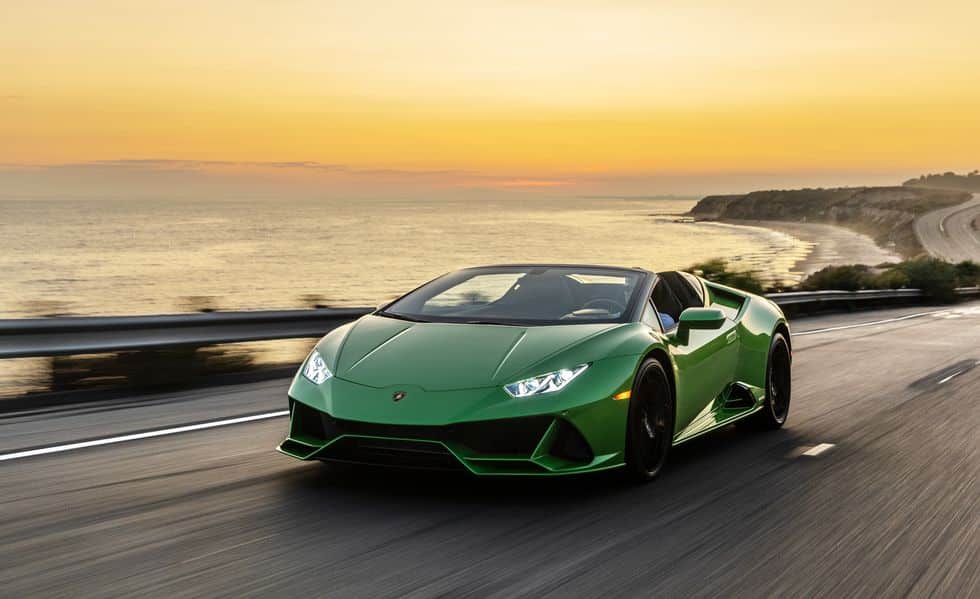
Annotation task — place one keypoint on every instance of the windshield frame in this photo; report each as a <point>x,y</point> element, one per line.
<point>630,314</point>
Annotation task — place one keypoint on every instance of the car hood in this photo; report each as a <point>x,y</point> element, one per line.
<point>382,352</point>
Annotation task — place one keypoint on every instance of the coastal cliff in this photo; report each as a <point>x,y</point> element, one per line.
<point>886,214</point>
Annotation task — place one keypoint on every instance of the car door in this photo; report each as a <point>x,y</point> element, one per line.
<point>705,361</point>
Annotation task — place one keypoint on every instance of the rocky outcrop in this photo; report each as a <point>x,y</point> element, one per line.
<point>887,214</point>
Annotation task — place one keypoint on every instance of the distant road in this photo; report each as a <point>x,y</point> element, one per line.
<point>950,233</point>
<point>890,509</point>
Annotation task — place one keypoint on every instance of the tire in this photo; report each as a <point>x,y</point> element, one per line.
<point>778,386</point>
<point>650,424</point>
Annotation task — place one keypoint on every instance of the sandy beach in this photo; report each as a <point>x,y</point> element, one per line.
<point>829,245</point>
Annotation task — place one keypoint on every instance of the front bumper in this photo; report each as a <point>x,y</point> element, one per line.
<point>530,445</point>
<point>482,430</point>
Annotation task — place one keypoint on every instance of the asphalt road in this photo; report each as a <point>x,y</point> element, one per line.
<point>892,509</point>
<point>951,233</point>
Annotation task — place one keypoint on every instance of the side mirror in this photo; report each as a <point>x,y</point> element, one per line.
<point>698,318</point>
<point>702,318</point>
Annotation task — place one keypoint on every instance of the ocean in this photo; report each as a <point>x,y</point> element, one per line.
<point>134,257</point>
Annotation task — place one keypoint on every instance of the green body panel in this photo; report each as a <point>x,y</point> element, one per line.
<point>381,352</point>
<point>453,374</point>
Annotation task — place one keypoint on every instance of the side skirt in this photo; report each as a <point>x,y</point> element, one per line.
<point>735,404</point>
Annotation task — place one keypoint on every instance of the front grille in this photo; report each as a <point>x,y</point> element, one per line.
<point>391,452</point>
<point>506,436</point>
<point>512,436</point>
<point>338,426</point>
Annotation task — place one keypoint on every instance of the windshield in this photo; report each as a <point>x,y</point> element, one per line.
<point>523,295</point>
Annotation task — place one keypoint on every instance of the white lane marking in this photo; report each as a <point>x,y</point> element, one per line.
<point>868,324</point>
<point>957,373</point>
<point>224,549</point>
<point>818,449</point>
<point>145,435</point>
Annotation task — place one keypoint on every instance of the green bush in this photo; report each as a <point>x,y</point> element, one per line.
<point>166,367</point>
<point>717,270</point>
<point>890,279</point>
<point>968,273</point>
<point>848,278</point>
<point>937,278</point>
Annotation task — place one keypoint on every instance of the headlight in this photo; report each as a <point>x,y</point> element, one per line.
<point>316,370</point>
<point>545,383</point>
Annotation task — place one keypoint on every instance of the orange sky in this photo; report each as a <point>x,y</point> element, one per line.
<point>498,94</point>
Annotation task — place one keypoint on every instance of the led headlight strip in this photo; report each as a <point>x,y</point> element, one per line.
<point>315,370</point>
<point>544,383</point>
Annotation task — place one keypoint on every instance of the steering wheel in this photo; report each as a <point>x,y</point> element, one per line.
<point>609,305</point>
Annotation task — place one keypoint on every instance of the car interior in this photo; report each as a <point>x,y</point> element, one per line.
<point>533,296</point>
<point>558,294</point>
<point>673,293</point>
<point>542,294</point>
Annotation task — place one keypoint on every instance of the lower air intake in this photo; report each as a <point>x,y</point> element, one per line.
<point>307,424</point>
<point>391,452</point>
<point>508,435</point>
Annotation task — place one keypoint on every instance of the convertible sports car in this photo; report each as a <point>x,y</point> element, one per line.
<point>541,369</point>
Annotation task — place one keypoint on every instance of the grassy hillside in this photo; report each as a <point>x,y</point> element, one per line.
<point>887,214</point>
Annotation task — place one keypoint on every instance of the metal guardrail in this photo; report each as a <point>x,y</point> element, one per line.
<point>37,337</point>
<point>792,298</point>
<point>59,336</point>
<point>812,298</point>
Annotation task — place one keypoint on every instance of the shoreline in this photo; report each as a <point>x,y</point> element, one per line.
<point>887,214</point>
<point>829,245</point>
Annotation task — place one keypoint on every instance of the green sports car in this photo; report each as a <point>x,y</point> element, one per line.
<point>541,369</point>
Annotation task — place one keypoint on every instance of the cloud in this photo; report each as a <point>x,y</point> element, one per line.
<point>170,177</point>
<point>177,164</point>
<point>181,164</point>
<point>162,178</point>
<point>532,183</point>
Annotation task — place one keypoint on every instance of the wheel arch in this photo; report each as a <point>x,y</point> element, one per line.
<point>660,355</point>
<point>637,467</point>
<point>783,328</point>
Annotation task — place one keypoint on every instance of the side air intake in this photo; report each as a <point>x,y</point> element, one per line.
<point>739,397</point>
<point>569,444</point>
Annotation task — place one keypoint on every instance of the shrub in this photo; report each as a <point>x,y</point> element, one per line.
<point>717,270</point>
<point>848,278</point>
<point>146,369</point>
<point>892,278</point>
<point>967,273</point>
<point>937,278</point>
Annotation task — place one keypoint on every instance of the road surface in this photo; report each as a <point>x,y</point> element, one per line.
<point>872,489</point>
<point>952,233</point>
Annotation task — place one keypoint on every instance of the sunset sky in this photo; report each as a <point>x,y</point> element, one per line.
<point>565,96</point>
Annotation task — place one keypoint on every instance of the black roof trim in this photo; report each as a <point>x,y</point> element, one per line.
<point>560,265</point>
